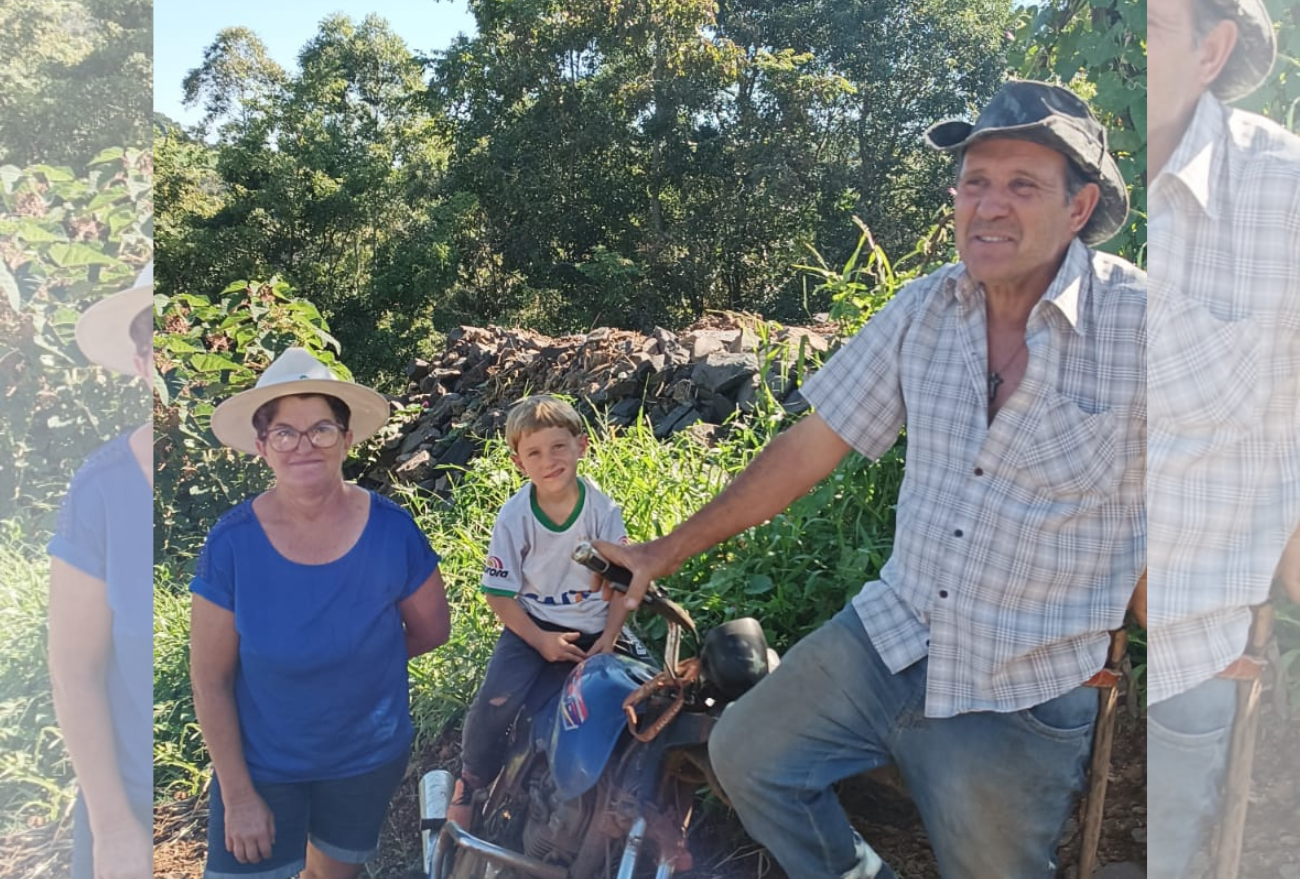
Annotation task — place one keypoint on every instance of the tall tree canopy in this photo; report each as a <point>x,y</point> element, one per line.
<point>580,162</point>
<point>76,76</point>
<point>653,158</point>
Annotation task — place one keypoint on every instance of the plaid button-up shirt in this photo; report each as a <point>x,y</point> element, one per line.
<point>1225,388</point>
<point>1019,542</point>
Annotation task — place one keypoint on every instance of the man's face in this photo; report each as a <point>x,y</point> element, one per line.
<point>1013,220</point>
<point>1180,68</point>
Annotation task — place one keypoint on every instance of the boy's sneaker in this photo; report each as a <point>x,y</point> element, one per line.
<point>461,809</point>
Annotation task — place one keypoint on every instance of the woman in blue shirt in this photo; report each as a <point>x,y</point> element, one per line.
<point>307,602</point>
<point>101,613</point>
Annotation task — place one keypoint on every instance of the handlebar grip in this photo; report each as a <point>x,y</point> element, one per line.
<point>619,577</point>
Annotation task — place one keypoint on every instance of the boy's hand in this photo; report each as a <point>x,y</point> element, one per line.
<point>559,647</point>
<point>604,645</point>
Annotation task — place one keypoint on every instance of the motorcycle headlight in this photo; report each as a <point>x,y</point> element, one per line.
<point>735,656</point>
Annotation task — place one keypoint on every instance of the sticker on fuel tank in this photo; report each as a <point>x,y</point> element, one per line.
<point>573,711</point>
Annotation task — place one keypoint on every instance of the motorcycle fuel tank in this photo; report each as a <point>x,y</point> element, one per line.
<point>589,719</point>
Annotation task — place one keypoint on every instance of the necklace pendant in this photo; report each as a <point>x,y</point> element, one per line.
<point>994,381</point>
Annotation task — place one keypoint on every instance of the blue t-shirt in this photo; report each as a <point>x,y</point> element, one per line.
<point>321,686</point>
<point>105,529</point>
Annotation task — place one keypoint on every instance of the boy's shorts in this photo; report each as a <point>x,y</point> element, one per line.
<point>341,817</point>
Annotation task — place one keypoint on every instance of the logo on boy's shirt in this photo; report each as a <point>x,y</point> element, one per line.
<point>564,599</point>
<point>495,568</point>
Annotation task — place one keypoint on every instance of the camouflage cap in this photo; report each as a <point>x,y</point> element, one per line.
<point>1253,55</point>
<point>1058,119</point>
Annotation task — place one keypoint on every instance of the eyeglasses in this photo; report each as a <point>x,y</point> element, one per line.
<point>324,435</point>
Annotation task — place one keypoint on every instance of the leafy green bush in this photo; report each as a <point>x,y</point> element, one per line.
<point>65,242</point>
<point>865,284</point>
<point>209,349</point>
<point>1098,49</point>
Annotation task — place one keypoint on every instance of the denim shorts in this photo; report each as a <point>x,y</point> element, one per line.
<point>341,817</point>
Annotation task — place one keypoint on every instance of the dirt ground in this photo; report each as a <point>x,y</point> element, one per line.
<point>881,812</point>
<point>722,851</point>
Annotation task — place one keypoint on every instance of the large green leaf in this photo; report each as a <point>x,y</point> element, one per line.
<point>210,363</point>
<point>72,255</point>
<point>111,154</point>
<point>34,233</point>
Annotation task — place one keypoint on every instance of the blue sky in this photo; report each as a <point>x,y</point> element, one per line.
<point>183,29</point>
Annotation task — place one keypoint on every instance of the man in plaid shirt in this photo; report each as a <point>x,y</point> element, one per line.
<point>1224,483</point>
<point>1020,374</point>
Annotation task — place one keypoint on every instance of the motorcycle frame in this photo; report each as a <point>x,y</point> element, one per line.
<point>452,837</point>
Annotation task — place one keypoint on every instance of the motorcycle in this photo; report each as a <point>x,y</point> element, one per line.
<point>602,775</point>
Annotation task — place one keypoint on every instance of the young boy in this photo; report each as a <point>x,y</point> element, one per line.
<point>550,605</point>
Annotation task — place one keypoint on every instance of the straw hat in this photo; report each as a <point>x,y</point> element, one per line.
<point>104,330</point>
<point>1058,119</point>
<point>296,371</point>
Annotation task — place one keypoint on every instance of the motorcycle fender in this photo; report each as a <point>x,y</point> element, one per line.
<point>589,720</point>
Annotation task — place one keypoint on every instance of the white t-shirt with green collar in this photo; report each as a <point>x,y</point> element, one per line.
<point>529,557</point>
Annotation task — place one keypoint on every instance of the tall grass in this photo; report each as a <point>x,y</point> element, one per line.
<point>179,759</point>
<point>792,574</point>
<point>35,774</point>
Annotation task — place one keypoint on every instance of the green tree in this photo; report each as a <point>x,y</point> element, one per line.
<point>235,81</point>
<point>1099,50</point>
<point>323,177</point>
<point>908,65</point>
<point>654,159</point>
<point>76,76</point>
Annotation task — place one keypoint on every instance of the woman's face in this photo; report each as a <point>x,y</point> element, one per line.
<point>304,465</point>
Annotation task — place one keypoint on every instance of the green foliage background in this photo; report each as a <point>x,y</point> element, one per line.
<point>66,241</point>
<point>75,76</point>
<point>574,164</point>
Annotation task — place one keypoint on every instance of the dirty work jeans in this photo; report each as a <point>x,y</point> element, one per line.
<point>994,790</point>
<point>1187,753</point>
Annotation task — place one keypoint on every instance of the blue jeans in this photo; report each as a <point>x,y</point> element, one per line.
<point>994,790</point>
<point>1187,753</point>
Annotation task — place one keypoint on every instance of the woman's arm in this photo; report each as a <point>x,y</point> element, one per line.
<point>80,639</point>
<point>214,658</point>
<point>426,617</point>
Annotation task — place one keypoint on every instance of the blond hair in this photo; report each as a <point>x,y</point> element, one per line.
<point>539,412</point>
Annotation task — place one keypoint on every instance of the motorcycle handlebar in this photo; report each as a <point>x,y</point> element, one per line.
<point>618,576</point>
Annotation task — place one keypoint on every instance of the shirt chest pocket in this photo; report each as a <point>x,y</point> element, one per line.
<point>1203,373</point>
<point>1070,452</point>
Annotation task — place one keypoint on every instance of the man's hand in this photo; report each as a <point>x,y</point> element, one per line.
<point>250,829</point>
<point>646,561</point>
<point>559,647</point>
<point>123,849</point>
<point>1138,605</point>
